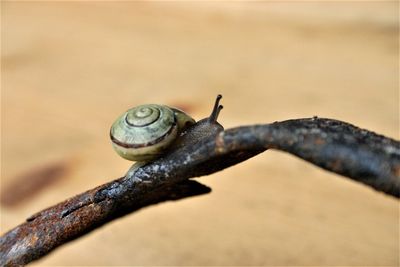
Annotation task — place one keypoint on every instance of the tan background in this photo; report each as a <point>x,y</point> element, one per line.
<point>69,69</point>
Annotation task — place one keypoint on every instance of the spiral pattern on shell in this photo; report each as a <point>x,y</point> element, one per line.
<point>142,116</point>
<point>144,131</point>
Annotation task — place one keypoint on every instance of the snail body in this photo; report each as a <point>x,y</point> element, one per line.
<point>146,132</point>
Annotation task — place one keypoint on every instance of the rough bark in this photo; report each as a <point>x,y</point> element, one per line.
<point>336,146</point>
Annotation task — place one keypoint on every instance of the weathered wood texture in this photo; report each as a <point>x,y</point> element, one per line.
<point>333,145</point>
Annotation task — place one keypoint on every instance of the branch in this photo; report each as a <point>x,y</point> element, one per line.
<point>336,146</point>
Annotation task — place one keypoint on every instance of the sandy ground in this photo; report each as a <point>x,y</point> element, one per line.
<point>69,69</point>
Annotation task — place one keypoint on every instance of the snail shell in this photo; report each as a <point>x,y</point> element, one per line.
<point>144,132</point>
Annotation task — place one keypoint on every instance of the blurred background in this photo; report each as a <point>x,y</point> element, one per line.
<point>70,68</point>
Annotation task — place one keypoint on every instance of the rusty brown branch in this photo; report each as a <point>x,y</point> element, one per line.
<point>336,146</point>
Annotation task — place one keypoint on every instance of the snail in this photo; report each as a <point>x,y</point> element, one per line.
<point>147,132</point>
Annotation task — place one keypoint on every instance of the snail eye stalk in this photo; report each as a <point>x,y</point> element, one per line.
<point>216,110</point>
